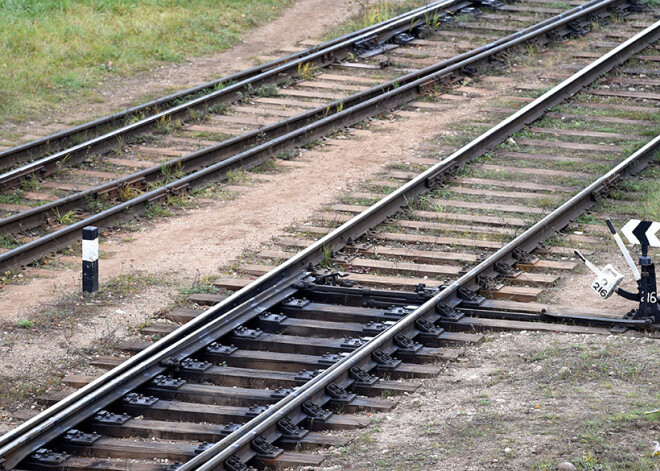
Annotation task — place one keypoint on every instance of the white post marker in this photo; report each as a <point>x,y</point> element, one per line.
<point>90,259</point>
<point>623,249</point>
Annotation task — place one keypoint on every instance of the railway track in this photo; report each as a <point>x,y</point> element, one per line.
<point>59,194</point>
<point>255,378</point>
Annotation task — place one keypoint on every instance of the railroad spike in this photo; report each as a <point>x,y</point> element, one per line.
<point>506,270</point>
<point>135,399</point>
<point>448,313</point>
<point>202,447</point>
<point>167,382</point>
<point>469,298</point>
<point>110,418</point>
<point>255,410</point>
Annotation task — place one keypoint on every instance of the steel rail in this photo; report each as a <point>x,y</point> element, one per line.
<point>55,142</point>
<point>8,178</point>
<point>231,92</point>
<point>370,102</point>
<point>213,458</point>
<point>190,333</point>
<point>198,159</point>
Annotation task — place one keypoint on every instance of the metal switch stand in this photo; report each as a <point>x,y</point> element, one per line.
<point>647,291</point>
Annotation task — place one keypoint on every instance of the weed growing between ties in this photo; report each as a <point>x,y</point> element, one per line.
<point>643,192</point>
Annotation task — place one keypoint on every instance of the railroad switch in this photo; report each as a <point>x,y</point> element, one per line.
<point>608,279</point>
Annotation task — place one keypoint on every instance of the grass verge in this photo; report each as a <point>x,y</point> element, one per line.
<point>58,50</point>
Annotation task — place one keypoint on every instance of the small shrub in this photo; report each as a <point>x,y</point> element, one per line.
<point>268,90</point>
<point>306,70</point>
<point>219,108</point>
<point>24,323</point>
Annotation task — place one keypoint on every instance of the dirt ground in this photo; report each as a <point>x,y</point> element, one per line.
<point>525,401</point>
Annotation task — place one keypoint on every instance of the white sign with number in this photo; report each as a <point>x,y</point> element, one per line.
<point>607,281</point>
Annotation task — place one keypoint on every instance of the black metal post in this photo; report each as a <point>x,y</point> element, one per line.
<point>648,302</point>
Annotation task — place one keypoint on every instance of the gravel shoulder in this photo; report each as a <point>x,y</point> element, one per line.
<point>523,401</point>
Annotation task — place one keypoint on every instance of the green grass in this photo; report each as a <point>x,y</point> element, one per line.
<point>643,190</point>
<point>370,15</point>
<point>24,323</point>
<point>54,51</point>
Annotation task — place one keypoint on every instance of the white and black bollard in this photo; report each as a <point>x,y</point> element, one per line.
<point>90,259</point>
